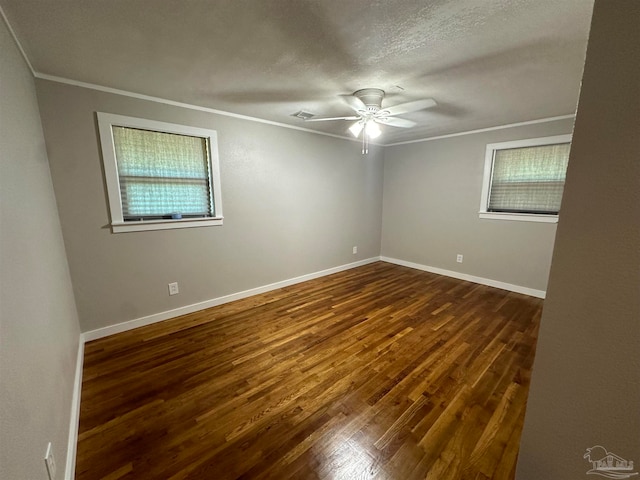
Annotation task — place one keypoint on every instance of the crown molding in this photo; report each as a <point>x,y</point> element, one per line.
<point>15,39</point>
<point>488,129</point>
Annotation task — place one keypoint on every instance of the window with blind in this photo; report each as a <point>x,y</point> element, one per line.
<point>524,180</point>
<point>159,175</point>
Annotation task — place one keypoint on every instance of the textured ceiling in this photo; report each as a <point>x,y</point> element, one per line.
<point>486,62</point>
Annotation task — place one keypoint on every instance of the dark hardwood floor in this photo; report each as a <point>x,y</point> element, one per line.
<point>377,372</point>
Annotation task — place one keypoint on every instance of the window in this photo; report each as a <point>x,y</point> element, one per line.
<point>159,175</point>
<point>524,179</point>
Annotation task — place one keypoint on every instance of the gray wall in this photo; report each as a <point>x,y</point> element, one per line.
<point>39,328</point>
<point>294,203</point>
<point>430,210</point>
<point>586,378</point>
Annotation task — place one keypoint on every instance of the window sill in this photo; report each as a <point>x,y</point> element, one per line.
<point>520,217</point>
<point>141,226</point>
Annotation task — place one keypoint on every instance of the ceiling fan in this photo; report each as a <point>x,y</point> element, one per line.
<point>367,105</point>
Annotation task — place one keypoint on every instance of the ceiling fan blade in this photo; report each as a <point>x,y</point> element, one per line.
<point>396,122</point>
<point>409,107</point>
<point>355,103</point>
<point>324,119</point>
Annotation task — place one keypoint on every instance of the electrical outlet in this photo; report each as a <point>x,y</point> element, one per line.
<point>50,462</point>
<point>173,288</point>
<point>355,250</point>
<point>459,258</point>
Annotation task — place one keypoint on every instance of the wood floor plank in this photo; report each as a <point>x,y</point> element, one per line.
<point>379,372</point>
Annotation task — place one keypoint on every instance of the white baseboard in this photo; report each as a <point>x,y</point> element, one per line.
<point>470,278</point>
<point>70,468</point>
<point>159,317</point>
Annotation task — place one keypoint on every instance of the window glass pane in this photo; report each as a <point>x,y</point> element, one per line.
<point>162,173</point>
<point>145,198</point>
<point>529,179</point>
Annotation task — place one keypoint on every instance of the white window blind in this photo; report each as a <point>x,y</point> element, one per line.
<point>161,174</point>
<point>528,179</point>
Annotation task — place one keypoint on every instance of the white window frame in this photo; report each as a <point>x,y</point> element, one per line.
<point>488,170</point>
<point>105,123</point>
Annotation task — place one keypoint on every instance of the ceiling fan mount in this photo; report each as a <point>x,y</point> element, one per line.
<point>371,98</point>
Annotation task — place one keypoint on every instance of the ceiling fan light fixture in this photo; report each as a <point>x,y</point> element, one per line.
<point>356,128</point>
<point>372,129</point>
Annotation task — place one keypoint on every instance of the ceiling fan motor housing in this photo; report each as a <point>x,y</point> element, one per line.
<point>371,97</point>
